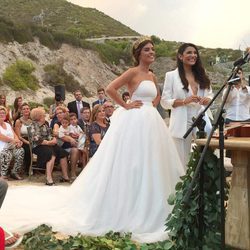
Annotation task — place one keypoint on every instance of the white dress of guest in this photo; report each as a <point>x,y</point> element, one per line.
<point>24,130</point>
<point>8,151</point>
<point>181,117</point>
<point>7,132</point>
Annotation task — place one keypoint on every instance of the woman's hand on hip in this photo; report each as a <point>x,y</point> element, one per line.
<point>133,105</point>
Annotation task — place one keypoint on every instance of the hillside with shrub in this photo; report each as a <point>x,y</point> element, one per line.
<point>43,43</point>
<point>57,17</point>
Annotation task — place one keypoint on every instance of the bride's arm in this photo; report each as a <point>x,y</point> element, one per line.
<point>120,81</point>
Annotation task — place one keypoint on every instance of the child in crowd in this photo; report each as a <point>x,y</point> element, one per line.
<point>65,139</point>
<point>77,133</point>
<point>69,143</point>
<point>74,129</point>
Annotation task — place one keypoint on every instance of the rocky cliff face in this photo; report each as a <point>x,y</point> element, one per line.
<point>85,65</point>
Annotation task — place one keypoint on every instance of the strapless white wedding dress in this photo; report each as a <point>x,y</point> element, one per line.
<point>123,188</point>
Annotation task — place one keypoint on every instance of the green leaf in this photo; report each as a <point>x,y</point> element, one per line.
<point>168,245</point>
<point>171,199</point>
<point>178,186</point>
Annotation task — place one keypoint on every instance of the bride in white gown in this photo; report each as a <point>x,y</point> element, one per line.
<point>125,185</point>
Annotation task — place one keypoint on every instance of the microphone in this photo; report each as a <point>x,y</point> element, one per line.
<point>236,79</point>
<point>242,60</point>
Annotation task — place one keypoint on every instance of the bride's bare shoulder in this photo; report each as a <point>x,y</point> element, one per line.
<point>129,74</point>
<point>131,71</point>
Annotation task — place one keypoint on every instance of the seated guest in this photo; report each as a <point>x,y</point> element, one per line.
<point>45,146</point>
<point>84,121</point>
<point>64,131</point>
<point>238,102</point>
<point>16,113</point>
<point>52,109</point>
<point>21,130</point>
<point>75,106</point>
<point>101,97</point>
<point>75,129</point>
<point>84,124</point>
<point>109,110</point>
<point>10,147</point>
<point>82,141</point>
<point>126,96</point>
<point>3,103</point>
<point>69,143</point>
<point>98,128</point>
<point>60,114</point>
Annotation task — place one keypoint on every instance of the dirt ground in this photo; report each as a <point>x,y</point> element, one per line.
<point>38,179</point>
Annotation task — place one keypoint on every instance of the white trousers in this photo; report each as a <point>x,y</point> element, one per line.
<point>183,147</point>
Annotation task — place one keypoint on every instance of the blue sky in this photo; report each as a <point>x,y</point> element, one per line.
<point>209,23</point>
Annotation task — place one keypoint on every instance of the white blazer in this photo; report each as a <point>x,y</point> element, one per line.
<point>172,90</point>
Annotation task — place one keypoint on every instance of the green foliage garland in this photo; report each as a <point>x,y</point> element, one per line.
<point>183,221</point>
<point>43,238</point>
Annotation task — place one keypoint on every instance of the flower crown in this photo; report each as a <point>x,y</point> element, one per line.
<point>140,40</point>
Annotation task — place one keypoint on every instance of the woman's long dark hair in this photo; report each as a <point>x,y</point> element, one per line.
<point>197,69</point>
<point>16,103</point>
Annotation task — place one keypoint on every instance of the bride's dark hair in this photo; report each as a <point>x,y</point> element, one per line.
<point>137,47</point>
<point>197,69</point>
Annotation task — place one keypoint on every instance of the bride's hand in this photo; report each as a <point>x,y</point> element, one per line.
<point>133,105</point>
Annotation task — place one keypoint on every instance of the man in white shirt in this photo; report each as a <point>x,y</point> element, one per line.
<point>238,102</point>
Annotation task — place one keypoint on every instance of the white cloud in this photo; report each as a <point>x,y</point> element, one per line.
<point>213,23</point>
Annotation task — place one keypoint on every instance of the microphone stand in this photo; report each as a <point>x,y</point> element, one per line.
<point>218,121</point>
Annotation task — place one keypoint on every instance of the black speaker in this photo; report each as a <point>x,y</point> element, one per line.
<point>249,80</point>
<point>59,92</point>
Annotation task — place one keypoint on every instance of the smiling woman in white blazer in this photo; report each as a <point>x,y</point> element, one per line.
<point>186,89</point>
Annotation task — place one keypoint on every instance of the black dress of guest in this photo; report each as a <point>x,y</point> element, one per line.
<point>39,133</point>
